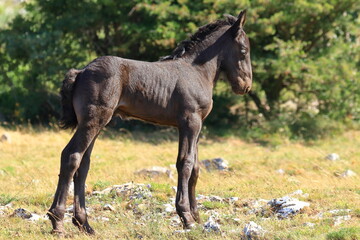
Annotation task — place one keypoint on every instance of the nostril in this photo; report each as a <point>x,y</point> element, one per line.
<point>247,89</point>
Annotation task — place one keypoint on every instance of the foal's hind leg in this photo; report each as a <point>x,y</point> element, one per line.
<point>70,160</point>
<point>80,216</point>
<point>189,129</point>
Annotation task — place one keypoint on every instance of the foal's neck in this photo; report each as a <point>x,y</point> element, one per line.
<point>207,58</point>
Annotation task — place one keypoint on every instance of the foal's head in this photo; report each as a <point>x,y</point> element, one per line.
<point>236,59</point>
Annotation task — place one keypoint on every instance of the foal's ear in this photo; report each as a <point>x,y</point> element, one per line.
<point>242,18</point>
<point>239,24</point>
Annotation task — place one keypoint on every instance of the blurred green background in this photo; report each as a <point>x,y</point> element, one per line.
<point>305,56</point>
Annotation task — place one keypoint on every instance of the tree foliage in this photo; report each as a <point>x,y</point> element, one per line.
<point>305,54</point>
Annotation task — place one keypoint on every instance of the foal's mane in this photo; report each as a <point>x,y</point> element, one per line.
<point>188,46</point>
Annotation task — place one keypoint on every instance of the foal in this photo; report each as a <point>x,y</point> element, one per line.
<point>176,91</point>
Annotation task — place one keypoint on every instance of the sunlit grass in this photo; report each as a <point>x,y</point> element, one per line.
<point>29,166</point>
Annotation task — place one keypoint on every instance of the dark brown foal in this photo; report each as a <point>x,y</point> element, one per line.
<point>176,91</point>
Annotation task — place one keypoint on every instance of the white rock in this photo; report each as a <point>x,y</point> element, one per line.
<point>233,199</point>
<point>333,157</point>
<point>201,197</point>
<point>102,219</point>
<point>257,206</point>
<point>286,206</point>
<point>214,198</point>
<point>35,217</point>
<point>299,193</point>
<point>219,164</point>
<point>175,221</point>
<point>103,192</point>
<point>340,219</point>
<point>7,206</point>
<point>169,208</point>
<point>337,211</point>
<point>132,191</point>
<point>253,231</point>
<point>23,213</point>
<point>172,200</point>
<point>214,214</point>
<point>5,138</point>
<point>309,224</point>
<point>109,207</point>
<point>280,171</point>
<point>155,171</point>
<point>182,231</point>
<point>348,173</point>
<point>211,225</point>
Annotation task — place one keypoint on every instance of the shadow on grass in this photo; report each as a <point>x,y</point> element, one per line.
<point>154,134</point>
<point>141,131</point>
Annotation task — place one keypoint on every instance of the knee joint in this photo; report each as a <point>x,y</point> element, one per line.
<point>185,163</point>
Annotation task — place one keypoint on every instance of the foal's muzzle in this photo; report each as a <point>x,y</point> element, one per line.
<point>243,87</point>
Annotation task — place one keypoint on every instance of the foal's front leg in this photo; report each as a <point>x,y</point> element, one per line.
<point>189,129</point>
<point>192,185</point>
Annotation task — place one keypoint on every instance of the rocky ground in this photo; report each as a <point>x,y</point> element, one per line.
<point>149,203</point>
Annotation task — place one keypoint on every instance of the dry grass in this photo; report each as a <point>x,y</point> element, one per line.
<point>30,163</point>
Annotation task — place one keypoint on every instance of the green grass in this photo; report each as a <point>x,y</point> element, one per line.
<point>214,205</point>
<point>29,168</point>
<point>344,234</point>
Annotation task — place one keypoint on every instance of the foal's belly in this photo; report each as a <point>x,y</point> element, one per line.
<point>137,107</point>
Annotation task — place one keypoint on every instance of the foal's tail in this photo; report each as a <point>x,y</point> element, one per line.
<point>68,118</point>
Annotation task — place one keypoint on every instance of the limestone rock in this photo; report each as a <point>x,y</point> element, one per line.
<point>287,206</point>
<point>309,224</point>
<point>219,164</point>
<point>22,213</point>
<point>155,171</point>
<point>252,231</point>
<point>128,190</point>
<point>211,225</point>
<point>340,219</point>
<point>348,173</point>
<point>25,214</point>
<point>333,157</point>
<point>169,208</point>
<point>109,207</point>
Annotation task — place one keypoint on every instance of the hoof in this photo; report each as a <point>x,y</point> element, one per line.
<point>85,228</point>
<point>196,216</point>
<point>189,226</point>
<point>187,220</point>
<point>59,233</point>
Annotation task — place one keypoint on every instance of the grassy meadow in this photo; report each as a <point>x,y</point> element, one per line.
<point>29,166</point>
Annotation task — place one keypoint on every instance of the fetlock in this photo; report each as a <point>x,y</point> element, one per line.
<point>56,217</point>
